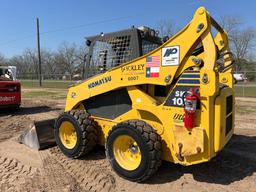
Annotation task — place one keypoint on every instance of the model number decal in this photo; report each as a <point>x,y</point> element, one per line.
<point>176,97</point>
<point>177,101</point>
<point>133,78</point>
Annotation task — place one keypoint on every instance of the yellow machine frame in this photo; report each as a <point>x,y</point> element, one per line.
<point>179,145</point>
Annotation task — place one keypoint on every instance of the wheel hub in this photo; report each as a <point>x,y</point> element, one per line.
<point>127,152</point>
<point>133,149</point>
<point>67,134</point>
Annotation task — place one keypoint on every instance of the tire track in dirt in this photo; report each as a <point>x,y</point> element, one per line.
<point>13,174</point>
<point>51,178</point>
<point>92,175</point>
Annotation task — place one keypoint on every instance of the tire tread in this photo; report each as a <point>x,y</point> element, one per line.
<point>153,142</point>
<point>88,129</point>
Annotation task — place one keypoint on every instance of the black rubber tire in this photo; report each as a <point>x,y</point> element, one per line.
<point>86,132</point>
<point>149,143</point>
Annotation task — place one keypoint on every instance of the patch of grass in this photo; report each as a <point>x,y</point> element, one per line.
<point>245,91</point>
<point>60,94</point>
<point>59,84</point>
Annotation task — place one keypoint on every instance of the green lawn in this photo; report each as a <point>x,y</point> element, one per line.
<point>58,84</point>
<point>50,89</point>
<point>44,93</point>
<point>245,91</point>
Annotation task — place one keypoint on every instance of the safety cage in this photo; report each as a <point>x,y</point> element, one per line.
<point>112,49</point>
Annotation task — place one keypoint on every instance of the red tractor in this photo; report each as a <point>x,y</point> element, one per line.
<point>10,88</point>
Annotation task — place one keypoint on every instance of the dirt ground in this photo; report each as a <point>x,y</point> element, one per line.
<point>23,169</point>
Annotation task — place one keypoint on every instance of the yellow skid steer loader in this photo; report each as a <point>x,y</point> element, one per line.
<point>148,101</point>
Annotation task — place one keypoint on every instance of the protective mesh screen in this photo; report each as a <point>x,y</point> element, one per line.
<point>108,53</point>
<point>148,46</point>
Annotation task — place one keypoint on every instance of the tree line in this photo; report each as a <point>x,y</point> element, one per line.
<point>68,60</point>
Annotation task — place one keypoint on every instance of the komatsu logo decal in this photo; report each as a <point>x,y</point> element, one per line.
<point>99,82</point>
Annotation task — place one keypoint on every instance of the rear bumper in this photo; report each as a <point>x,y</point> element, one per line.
<point>14,106</point>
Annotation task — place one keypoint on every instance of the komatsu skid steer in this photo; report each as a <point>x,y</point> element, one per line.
<point>171,101</point>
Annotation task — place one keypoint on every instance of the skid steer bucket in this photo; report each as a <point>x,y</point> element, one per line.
<point>40,135</point>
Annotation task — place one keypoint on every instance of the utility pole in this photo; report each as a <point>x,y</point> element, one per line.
<point>84,63</point>
<point>39,53</point>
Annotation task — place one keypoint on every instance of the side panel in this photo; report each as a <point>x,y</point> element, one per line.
<point>224,118</point>
<point>109,105</point>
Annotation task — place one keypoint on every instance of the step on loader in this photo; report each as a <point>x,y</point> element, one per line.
<point>148,101</point>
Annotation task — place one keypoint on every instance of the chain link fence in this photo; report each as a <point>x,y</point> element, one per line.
<point>245,84</point>
<point>58,81</point>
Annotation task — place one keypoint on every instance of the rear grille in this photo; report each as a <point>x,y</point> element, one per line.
<point>229,115</point>
<point>229,102</point>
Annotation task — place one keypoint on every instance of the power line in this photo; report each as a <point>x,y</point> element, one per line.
<point>87,24</point>
<point>69,28</point>
<point>19,39</point>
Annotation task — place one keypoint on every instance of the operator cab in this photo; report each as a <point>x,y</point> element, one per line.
<point>112,49</point>
<point>7,73</point>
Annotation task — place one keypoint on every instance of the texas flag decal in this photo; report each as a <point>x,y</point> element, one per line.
<point>152,66</point>
<point>152,72</point>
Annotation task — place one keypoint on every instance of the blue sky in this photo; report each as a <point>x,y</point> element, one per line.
<point>72,20</point>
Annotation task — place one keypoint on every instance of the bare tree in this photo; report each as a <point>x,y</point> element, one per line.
<point>3,60</point>
<point>165,28</point>
<point>66,58</point>
<point>242,40</point>
<point>30,57</point>
<point>48,62</point>
<point>81,54</point>
<point>230,23</point>
<point>26,64</point>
